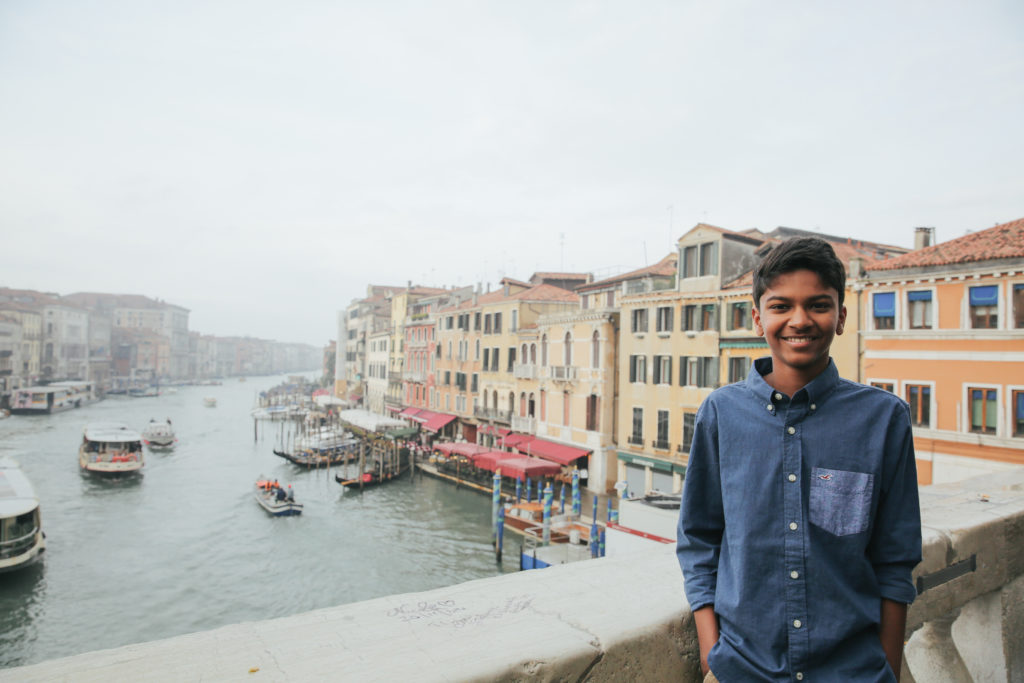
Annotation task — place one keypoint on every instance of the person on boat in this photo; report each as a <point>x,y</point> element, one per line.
<point>281,495</point>
<point>291,494</point>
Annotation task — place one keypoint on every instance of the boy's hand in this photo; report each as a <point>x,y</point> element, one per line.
<point>891,630</point>
<point>707,633</point>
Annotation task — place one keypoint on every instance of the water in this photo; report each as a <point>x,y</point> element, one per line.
<point>185,547</point>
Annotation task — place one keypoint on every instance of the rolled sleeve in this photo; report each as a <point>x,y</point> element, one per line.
<point>701,520</point>
<point>895,546</point>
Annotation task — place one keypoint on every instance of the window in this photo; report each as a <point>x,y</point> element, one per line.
<point>885,386</point>
<point>698,371</point>
<point>567,349</point>
<point>447,377</point>
<point>515,322</point>
<point>662,440</point>
<point>983,410</point>
<point>638,369</point>
<point>476,322</point>
<point>511,357</point>
<point>592,416</point>
<point>689,421</point>
<point>739,318</point>
<point>739,368</point>
<point>495,354</point>
<point>919,396</point>
<point>497,323</point>
<point>1018,305</point>
<point>663,369</point>
<point>709,258</point>
<point>1018,413</point>
<point>640,320</point>
<point>884,310</point>
<point>477,356</point>
<point>637,436</point>
<point>487,324</point>
<point>611,299</point>
<point>473,383</point>
<point>487,360</point>
<point>709,317</point>
<point>595,351</point>
<point>690,261</point>
<point>984,307</point>
<point>919,307</point>
<point>664,319</point>
<point>584,301</point>
<point>689,318</point>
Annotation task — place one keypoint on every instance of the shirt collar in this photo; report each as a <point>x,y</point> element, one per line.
<point>817,389</point>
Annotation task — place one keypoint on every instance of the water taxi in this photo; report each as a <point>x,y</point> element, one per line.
<point>42,400</point>
<point>275,499</point>
<point>22,541</point>
<point>110,448</point>
<point>159,434</point>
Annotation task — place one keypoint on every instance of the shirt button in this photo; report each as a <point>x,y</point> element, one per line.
<point>794,574</point>
<point>796,623</point>
<point>778,397</point>
<point>814,407</point>
<point>770,407</point>
<point>792,477</point>
<point>792,526</point>
<point>799,676</point>
<point>791,430</point>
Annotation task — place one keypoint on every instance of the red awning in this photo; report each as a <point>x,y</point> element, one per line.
<point>461,448</point>
<point>512,440</point>
<point>409,412</point>
<point>421,416</point>
<point>486,460</point>
<point>555,452</point>
<point>436,421</point>
<point>491,429</point>
<point>521,466</point>
<point>393,409</point>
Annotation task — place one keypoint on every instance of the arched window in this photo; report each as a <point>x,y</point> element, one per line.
<point>494,399</point>
<point>523,355</point>
<point>449,348</point>
<point>544,350</point>
<point>511,402</point>
<point>568,349</point>
<point>595,350</point>
<point>530,409</point>
<point>522,404</point>
<point>533,354</point>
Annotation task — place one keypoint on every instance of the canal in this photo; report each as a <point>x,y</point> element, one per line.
<point>185,547</point>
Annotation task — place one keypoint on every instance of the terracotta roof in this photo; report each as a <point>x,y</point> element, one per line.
<point>513,281</point>
<point>665,267</point>
<point>546,293</point>
<point>845,251</point>
<point>746,235</point>
<point>1004,241</point>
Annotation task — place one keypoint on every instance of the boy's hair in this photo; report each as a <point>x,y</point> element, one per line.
<point>800,253</point>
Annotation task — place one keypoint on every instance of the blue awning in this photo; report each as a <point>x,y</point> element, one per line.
<point>919,296</point>
<point>885,304</point>
<point>985,296</point>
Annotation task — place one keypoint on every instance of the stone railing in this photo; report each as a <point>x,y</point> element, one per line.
<point>617,618</point>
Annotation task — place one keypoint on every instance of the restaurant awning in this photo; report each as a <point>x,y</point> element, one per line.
<point>549,450</point>
<point>436,421</point>
<point>513,440</point>
<point>392,409</point>
<point>522,466</point>
<point>492,429</point>
<point>461,448</point>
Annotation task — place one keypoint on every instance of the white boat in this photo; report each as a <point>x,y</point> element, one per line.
<point>110,448</point>
<point>159,434</point>
<point>79,393</point>
<point>144,392</point>
<point>22,540</point>
<point>210,402</point>
<point>41,400</point>
<point>275,499</point>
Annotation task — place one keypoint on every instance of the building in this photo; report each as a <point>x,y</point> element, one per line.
<point>943,328</point>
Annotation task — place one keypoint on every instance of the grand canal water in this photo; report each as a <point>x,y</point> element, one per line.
<point>185,547</point>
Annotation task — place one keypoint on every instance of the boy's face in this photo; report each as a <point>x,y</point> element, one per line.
<point>799,317</point>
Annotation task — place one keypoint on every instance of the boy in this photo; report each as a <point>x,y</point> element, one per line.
<point>800,524</point>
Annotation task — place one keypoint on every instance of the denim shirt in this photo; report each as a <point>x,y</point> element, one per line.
<point>798,515</point>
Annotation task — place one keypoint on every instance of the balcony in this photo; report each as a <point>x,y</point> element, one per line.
<point>660,444</point>
<point>526,425</point>
<point>970,577</point>
<point>524,371</point>
<point>414,376</point>
<point>563,373</point>
<point>635,440</point>
<point>504,416</point>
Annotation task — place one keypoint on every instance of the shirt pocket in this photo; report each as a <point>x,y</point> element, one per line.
<point>840,500</point>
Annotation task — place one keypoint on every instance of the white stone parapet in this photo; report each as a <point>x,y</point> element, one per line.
<point>612,619</point>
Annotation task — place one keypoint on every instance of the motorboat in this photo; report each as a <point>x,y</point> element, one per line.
<point>22,540</point>
<point>275,499</point>
<point>159,434</point>
<point>110,448</point>
<point>210,402</point>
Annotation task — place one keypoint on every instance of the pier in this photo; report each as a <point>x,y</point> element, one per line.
<point>611,619</point>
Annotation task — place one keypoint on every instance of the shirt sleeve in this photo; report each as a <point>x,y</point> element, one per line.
<point>895,545</point>
<point>701,522</point>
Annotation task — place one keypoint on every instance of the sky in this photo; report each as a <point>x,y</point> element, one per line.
<point>260,163</point>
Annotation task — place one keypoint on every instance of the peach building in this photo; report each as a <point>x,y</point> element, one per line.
<point>943,328</point>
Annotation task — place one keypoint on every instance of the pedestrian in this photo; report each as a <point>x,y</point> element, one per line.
<point>800,523</point>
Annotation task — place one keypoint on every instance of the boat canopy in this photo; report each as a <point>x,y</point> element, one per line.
<point>520,466</point>
<point>462,448</point>
<point>111,432</point>
<point>16,493</point>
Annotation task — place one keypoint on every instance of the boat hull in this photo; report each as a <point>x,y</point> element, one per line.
<point>267,499</point>
<point>26,558</point>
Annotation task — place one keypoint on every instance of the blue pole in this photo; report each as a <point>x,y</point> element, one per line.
<point>501,531</point>
<point>495,498</point>
<point>609,509</point>
<point>576,492</point>
<point>519,489</point>
<point>561,498</point>
<point>593,539</point>
<point>594,515</point>
<point>602,548</point>
<point>529,496</point>
<point>548,493</point>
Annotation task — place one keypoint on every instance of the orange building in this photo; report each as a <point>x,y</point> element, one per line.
<point>943,328</point>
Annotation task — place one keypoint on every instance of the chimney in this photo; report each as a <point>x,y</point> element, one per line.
<point>856,267</point>
<point>924,237</point>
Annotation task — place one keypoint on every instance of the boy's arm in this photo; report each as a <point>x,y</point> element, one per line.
<point>707,633</point>
<point>891,630</point>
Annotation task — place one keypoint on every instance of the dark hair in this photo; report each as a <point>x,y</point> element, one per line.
<point>800,253</point>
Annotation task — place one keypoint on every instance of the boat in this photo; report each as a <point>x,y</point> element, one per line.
<point>110,448</point>
<point>210,402</point>
<point>22,540</point>
<point>42,400</point>
<point>276,500</point>
<point>144,392</point>
<point>159,434</point>
<point>322,458</point>
<point>368,479</point>
<point>79,393</point>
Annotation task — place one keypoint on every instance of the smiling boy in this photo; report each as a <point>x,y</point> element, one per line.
<point>800,523</point>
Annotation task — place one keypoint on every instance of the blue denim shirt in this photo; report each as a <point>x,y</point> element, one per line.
<point>798,515</point>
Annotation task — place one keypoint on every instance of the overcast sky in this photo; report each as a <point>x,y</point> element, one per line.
<point>261,162</point>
